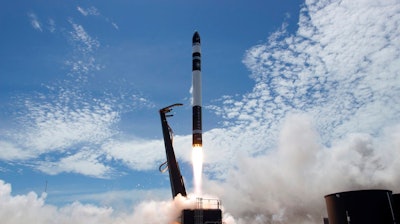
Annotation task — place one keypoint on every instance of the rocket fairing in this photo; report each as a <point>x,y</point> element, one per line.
<point>196,91</point>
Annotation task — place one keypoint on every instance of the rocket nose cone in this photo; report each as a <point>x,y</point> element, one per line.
<point>196,37</point>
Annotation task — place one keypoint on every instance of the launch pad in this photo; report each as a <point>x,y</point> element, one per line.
<point>207,211</point>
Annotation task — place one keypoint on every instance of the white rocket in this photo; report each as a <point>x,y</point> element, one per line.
<point>196,83</point>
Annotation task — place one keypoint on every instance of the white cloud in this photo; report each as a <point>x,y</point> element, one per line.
<point>51,25</point>
<point>68,130</point>
<point>115,25</point>
<point>87,162</point>
<point>85,42</point>
<point>31,208</point>
<point>35,22</point>
<point>64,128</point>
<point>93,11</point>
<point>9,151</point>
<point>90,11</point>
<point>144,154</point>
<point>341,67</point>
<point>137,154</point>
<point>65,120</point>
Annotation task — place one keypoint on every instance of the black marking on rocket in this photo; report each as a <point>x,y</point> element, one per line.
<point>197,129</point>
<point>196,62</point>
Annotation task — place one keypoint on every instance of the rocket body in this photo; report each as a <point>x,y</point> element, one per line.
<point>197,140</point>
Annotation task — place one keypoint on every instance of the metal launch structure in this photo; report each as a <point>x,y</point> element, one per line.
<point>175,177</point>
<point>206,211</point>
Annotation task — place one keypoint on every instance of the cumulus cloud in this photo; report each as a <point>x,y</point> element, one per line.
<point>31,208</point>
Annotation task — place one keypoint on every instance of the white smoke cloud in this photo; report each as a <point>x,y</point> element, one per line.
<point>288,184</point>
<point>31,208</point>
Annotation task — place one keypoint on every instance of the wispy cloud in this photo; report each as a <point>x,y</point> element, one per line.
<point>64,127</point>
<point>86,161</point>
<point>51,25</point>
<point>115,25</point>
<point>90,11</point>
<point>340,67</point>
<point>137,154</point>
<point>35,22</point>
<point>93,11</point>
<point>81,37</point>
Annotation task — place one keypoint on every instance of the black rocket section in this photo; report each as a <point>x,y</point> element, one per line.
<point>196,83</point>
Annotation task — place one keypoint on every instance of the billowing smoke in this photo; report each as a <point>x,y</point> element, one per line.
<point>288,184</point>
<point>32,208</point>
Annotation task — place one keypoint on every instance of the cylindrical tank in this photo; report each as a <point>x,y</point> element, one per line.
<point>396,206</point>
<point>360,207</point>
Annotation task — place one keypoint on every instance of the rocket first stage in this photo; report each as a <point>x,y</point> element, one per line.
<point>196,91</point>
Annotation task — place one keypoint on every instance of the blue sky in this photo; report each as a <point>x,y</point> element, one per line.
<point>293,92</point>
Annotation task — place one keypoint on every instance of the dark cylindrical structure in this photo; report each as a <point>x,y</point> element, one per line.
<point>361,207</point>
<point>396,206</point>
